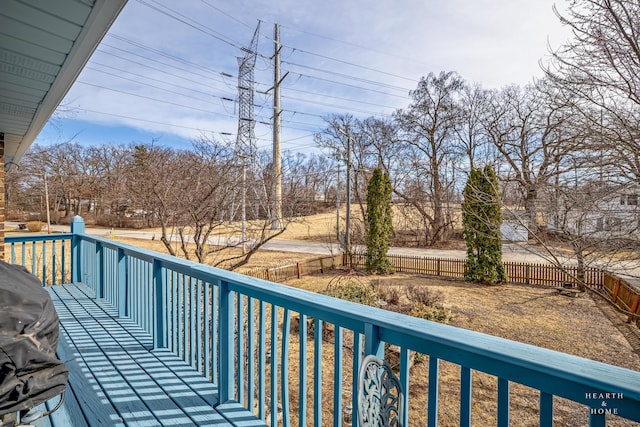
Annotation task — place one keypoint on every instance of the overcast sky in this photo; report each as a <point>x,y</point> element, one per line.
<point>167,70</point>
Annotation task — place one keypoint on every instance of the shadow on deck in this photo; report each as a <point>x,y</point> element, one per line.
<point>116,378</point>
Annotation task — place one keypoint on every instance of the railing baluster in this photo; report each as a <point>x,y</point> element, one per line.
<point>24,255</point>
<point>13,252</point>
<point>405,356</point>
<point>262,348</point>
<point>274,366</point>
<point>208,348</point>
<point>215,343</point>
<point>33,258</point>
<point>503,402</point>
<point>53,262</point>
<point>227,356</point>
<point>317,372</point>
<point>357,360</point>
<point>284,368</point>
<point>99,289</point>
<point>465,396</point>
<point>432,405</point>
<point>302,377</point>
<point>160,306</point>
<point>597,420</point>
<point>44,263</point>
<point>337,376</point>
<point>251,359</point>
<point>240,350</point>
<point>546,409</point>
<point>192,323</point>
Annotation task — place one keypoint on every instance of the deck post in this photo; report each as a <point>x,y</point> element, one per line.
<point>227,355</point>
<point>372,343</point>
<point>159,338</point>
<point>77,229</point>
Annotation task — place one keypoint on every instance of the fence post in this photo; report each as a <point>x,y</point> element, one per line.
<point>160,306</point>
<point>77,228</point>
<point>321,266</point>
<point>227,354</point>
<point>527,277</point>
<point>616,290</point>
<point>123,285</point>
<point>634,307</point>
<point>298,269</point>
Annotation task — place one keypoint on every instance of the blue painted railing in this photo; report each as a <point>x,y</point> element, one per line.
<point>46,256</point>
<point>292,356</point>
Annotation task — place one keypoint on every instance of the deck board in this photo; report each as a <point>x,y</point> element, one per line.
<point>115,375</point>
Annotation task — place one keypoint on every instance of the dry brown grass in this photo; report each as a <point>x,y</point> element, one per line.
<point>533,315</point>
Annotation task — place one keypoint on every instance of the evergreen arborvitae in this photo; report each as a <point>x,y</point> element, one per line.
<point>379,225</point>
<point>481,218</point>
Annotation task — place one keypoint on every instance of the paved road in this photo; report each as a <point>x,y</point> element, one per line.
<point>510,251</point>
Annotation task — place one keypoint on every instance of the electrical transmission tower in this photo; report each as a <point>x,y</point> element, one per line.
<point>246,140</point>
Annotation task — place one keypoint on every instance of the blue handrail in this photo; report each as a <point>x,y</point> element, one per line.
<point>238,332</point>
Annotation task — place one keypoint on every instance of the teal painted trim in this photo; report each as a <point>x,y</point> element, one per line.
<point>317,372</point>
<point>546,410</point>
<point>503,402</point>
<point>337,376</point>
<point>302,377</point>
<point>24,257</point>
<point>356,362</point>
<point>284,368</point>
<point>38,238</point>
<point>199,327</point>
<point>465,396</point>
<point>404,382</point>
<point>432,400</point>
<point>274,366</point>
<point>160,305</point>
<point>13,253</point>
<point>227,332</point>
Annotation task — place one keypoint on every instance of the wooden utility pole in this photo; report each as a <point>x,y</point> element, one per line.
<point>276,223</point>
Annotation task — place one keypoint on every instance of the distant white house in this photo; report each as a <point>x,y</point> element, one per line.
<point>597,212</point>
<point>514,226</point>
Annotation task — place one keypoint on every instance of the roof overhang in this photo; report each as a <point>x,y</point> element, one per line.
<point>43,47</point>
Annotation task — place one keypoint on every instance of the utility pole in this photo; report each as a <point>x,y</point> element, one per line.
<point>46,195</point>
<point>347,237</point>
<point>276,222</point>
<point>338,203</point>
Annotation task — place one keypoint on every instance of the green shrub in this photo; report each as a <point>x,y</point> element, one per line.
<point>353,290</point>
<point>423,295</point>
<point>436,313</point>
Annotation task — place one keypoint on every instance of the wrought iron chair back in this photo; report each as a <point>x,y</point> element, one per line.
<point>379,394</point>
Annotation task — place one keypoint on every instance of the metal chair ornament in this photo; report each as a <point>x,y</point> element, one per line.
<point>379,394</point>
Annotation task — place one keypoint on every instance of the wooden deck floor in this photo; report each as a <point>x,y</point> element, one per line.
<point>116,379</point>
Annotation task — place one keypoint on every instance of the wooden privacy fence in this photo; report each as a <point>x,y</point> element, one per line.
<point>518,272</point>
<point>624,296</point>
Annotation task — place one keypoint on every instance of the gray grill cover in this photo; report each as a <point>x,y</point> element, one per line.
<point>30,372</point>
